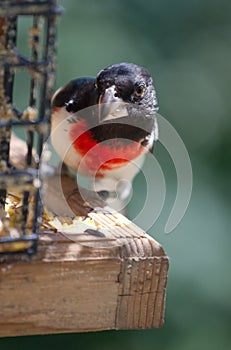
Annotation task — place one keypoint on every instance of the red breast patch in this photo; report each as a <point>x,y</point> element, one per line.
<point>107,155</point>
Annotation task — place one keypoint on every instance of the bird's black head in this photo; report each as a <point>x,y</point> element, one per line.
<point>126,83</point>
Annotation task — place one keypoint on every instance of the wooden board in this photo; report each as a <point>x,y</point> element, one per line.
<point>85,283</point>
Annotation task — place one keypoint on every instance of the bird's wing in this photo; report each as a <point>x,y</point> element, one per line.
<point>80,92</point>
<point>149,140</point>
<point>154,135</point>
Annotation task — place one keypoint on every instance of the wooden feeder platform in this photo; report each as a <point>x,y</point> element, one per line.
<point>85,282</point>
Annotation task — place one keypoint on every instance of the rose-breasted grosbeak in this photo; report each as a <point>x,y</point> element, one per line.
<point>109,139</point>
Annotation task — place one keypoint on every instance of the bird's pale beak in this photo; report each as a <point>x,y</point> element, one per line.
<point>110,106</point>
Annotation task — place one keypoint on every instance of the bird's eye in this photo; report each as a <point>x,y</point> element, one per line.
<point>139,90</point>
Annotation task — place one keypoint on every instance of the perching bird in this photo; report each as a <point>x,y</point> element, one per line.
<point>109,140</point>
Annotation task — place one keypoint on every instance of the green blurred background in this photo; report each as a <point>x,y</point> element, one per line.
<point>186,47</point>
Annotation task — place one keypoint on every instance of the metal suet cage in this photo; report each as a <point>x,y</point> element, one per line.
<point>21,182</point>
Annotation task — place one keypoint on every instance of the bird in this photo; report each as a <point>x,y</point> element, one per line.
<point>103,127</point>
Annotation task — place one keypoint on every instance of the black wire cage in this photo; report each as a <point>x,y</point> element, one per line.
<point>27,67</point>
